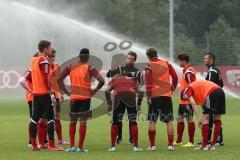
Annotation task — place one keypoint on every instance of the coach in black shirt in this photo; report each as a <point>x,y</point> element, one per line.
<point>213,75</point>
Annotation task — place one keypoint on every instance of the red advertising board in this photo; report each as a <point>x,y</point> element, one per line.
<point>9,77</point>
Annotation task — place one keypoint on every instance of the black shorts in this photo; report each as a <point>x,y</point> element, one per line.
<point>161,107</point>
<point>80,108</point>
<point>41,107</point>
<point>215,103</point>
<point>119,107</point>
<point>30,108</point>
<point>185,110</point>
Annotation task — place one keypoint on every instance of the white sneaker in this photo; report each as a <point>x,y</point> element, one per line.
<point>170,148</point>
<point>206,148</point>
<point>212,147</point>
<point>137,149</point>
<point>153,148</point>
<point>82,150</point>
<point>112,149</point>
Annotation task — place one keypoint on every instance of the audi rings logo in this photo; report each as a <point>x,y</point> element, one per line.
<point>9,79</point>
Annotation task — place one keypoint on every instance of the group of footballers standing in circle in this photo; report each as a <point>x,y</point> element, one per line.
<point>45,87</point>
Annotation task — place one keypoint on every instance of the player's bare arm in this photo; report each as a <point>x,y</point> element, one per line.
<point>60,80</point>
<point>100,79</point>
<point>195,108</point>
<point>108,97</point>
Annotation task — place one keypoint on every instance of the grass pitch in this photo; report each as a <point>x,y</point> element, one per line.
<point>13,133</point>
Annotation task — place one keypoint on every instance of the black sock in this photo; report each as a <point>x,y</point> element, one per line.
<point>51,130</point>
<point>33,129</point>
<point>221,135</point>
<point>120,131</point>
<point>210,127</point>
<point>130,133</point>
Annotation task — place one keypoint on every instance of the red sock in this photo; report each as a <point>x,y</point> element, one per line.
<point>51,143</point>
<point>82,133</point>
<point>114,132</point>
<point>205,130</point>
<point>170,140</point>
<point>191,131</point>
<point>58,126</point>
<point>217,128</point>
<point>180,129</point>
<point>72,131</point>
<point>40,131</point>
<point>33,141</point>
<point>134,130</point>
<point>45,132</point>
<point>151,135</point>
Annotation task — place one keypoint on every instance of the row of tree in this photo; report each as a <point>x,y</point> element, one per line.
<point>200,25</point>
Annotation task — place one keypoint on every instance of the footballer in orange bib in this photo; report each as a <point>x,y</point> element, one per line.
<point>212,99</point>
<point>159,88</point>
<point>58,96</point>
<point>42,109</point>
<point>81,74</point>
<point>185,109</point>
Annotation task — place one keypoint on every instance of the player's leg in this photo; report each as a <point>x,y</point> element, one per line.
<point>45,101</point>
<point>170,132</point>
<point>220,141</point>
<point>130,133</point>
<point>73,114</point>
<point>132,116</point>
<point>153,114</point>
<point>45,104</point>
<point>191,126</point>
<point>166,116</point>
<point>180,124</point>
<point>118,113</point>
<point>217,127</point>
<point>119,136</point>
<point>152,135</point>
<point>217,99</point>
<point>30,104</point>
<point>205,129</point>
<point>221,108</point>
<point>36,114</point>
<point>48,114</point>
<point>30,107</point>
<point>50,127</point>
<point>210,127</point>
<point>58,124</point>
<point>42,132</point>
<point>84,113</point>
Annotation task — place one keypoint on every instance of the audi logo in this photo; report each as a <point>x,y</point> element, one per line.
<point>9,79</point>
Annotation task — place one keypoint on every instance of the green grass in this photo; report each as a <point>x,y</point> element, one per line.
<point>13,138</point>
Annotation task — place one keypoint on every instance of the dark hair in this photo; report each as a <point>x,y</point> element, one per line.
<point>211,55</point>
<point>84,54</point>
<point>183,57</point>
<point>43,44</point>
<point>131,53</point>
<point>151,52</point>
<point>53,51</point>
